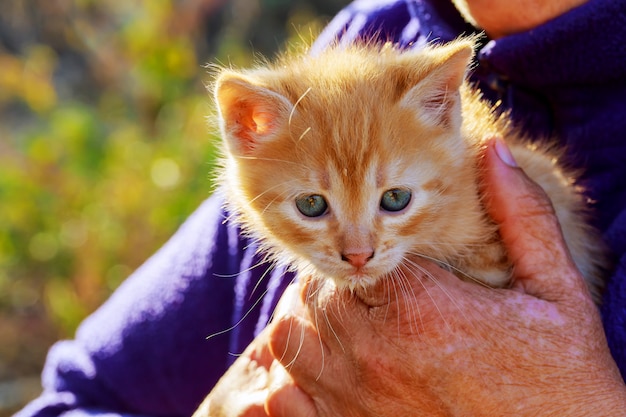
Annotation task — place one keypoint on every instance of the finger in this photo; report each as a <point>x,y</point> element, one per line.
<point>285,398</point>
<point>333,311</point>
<point>290,302</point>
<point>254,410</point>
<point>288,334</point>
<point>258,350</point>
<point>528,225</point>
<point>294,342</point>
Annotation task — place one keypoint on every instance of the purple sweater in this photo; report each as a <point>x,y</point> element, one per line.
<point>145,351</point>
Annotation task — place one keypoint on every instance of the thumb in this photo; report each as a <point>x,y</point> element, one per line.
<point>529,227</point>
<point>285,398</point>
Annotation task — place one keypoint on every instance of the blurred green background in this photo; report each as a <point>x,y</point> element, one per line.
<point>105,148</point>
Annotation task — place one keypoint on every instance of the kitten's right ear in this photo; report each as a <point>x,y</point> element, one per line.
<point>249,113</point>
<point>436,97</point>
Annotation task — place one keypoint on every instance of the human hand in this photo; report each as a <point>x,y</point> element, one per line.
<point>440,346</point>
<point>242,390</point>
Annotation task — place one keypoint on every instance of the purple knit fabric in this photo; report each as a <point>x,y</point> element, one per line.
<point>146,352</point>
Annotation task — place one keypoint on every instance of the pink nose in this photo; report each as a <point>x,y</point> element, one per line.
<point>357,259</point>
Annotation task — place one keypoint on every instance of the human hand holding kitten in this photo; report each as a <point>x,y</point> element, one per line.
<point>243,389</point>
<point>447,347</point>
<point>444,346</point>
<point>392,332</point>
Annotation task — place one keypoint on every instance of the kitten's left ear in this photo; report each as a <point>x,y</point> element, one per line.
<point>436,96</point>
<point>249,113</point>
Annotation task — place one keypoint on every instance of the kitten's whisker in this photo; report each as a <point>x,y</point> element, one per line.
<point>301,342</point>
<point>267,206</point>
<point>273,315</point>
<point>255,242</point>
<point>333,332</point>
<point>415,305</point>
<point>271,189</point>
<point>399,282</point>
<point>441,287</point>
<point>450,244</point>
<point>256,158</point>
<point>388,284</point>
<point>256,286</point>
<point>300,345</point>
<point>433,279</point>
<point>256,303</point>
<point>282,356</point>
<point>312,293</point>
<point>293,110</point>
<point>262,277</point>
<point>451,267</point>
<point>319,338</point>
<point>402,275</point>
<point>232,215</point>
<point>250,268</point>
<point>412,308</point>
<point>307,130</point>
<point>463,313</point>
<point>389,287</point>
<point>448,295</point>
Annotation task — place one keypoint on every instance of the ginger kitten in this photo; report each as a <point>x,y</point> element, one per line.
<point>347,164</point>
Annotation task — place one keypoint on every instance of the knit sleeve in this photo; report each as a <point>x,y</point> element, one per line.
<point>145,351</point>
<point>406,23</point>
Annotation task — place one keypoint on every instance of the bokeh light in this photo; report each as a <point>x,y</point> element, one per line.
<point>105,147</point>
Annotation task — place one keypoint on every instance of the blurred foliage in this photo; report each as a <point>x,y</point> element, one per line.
<point>104,144</point>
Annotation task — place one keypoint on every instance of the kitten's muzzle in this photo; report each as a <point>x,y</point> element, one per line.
<point>358,260</point>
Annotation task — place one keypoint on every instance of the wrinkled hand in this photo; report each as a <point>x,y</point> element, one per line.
<point>242,391</point>
<point>439,346</point>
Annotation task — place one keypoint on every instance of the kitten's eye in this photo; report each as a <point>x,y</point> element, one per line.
<point>312,205</point>
<point>395,199</point>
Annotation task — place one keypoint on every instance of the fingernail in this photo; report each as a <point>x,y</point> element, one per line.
<point>504,153</point>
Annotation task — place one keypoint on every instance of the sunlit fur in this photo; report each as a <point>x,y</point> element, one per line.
<point>352,123</point>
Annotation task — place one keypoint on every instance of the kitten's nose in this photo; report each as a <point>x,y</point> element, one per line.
<point>357,259</point>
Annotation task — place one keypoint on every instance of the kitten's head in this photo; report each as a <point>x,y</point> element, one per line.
<point>348,163</point>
